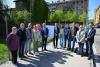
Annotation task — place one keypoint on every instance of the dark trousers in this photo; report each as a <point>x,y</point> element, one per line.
<point>44,42</point>
<point>55,41</point>
<point>21,49</point>
<point>73,45</point>
<point>65,39</point>
<point>87,48</point>
<point>14,56</point>
<point>90,52</point>
<point>69,43</point>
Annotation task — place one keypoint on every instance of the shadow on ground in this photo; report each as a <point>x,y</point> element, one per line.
<point>46,59</point>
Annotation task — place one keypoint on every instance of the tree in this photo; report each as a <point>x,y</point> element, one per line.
<point>40,11</point>
<point>57,16</point>
<point>71,17</point>
<point>20,16</point>
<point>83,17</point>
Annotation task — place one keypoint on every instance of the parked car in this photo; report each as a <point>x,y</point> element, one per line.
<point>98,25</point>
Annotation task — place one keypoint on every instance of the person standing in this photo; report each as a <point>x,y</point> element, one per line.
<point>12,41</point>
<point>90,39</point>
<point>65,35</point>
<point>28,39</point>
<point>81,39</point>
<point>56,35</point>
<point>86,32</point>
<point>69,38</point>
<point>36,37</point>
<point>44,34</point>
<point>74,32</point>
<point>62,36</point>
<point>22,35</point>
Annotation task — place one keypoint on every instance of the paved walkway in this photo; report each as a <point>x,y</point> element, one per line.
<point>53,58</point>
<point>96,47</point>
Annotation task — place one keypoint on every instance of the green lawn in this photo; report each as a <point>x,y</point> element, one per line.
<point>3,53</point>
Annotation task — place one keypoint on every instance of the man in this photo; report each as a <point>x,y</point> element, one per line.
<point>28,38</point>
<point>86,32</point>
<point>56,35</point>
<point>69,38</point>
<point>22,35</point>
<point>74,31</point>
<point>65,35</point>
<point>44,34</point>
<point>90,39</point>
<point>81,39</point>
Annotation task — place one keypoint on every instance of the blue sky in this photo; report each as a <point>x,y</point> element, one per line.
<point>92,5</point>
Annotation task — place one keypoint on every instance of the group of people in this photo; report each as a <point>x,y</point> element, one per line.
<point>20,41</point>
<point>84,35</point>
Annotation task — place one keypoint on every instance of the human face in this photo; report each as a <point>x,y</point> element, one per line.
<point>90,26</point>
<point>29,25</point>
<point>44,25</point>
<point>22,25</point>
<point>14,30</point>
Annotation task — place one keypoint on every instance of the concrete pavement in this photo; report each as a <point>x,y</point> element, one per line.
<point>96,48</point>
<point>53,58</point>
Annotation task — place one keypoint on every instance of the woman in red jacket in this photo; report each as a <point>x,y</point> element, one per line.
<point>12,41</point>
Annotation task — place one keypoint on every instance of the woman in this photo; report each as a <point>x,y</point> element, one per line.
<point>13,44</point>
<point>36,37</point>
<point>62,36</point>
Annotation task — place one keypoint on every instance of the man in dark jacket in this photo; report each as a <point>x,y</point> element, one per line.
<point>90,39</point>
<point>56,35</point>
<point>44,34</point>
<point>22,35</point>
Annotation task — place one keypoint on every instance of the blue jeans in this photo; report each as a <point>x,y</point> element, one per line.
<point>81,48</point>
<point>69,42</point>
<point>73,44</point>
<point>62,40</point>
<point>90,44</point>
<point>27,46</point>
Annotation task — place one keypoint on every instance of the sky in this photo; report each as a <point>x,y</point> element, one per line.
<point>93,4</point>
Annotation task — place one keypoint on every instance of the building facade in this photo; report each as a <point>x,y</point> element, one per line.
<point>97,15</point>
<point>78,6</point>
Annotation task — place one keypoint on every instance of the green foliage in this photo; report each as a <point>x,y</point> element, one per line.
<point>83,17</point>
<point>20,16</point>
<point>57,16</point>
<point>3,53</point>
<point>60,16</point>
<point>92,21</point>
<point>40,11</point>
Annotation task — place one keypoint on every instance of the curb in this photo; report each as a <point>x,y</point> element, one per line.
<point>95,57</point>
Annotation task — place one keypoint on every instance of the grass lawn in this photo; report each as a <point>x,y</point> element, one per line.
<point>3,53</point>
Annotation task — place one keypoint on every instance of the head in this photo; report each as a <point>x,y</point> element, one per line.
<point>22,25</point>
<point>14,30</point>
<point>56,24</point>
<point>90,26</point>
<point>29,25</point>
<point>37,26</point>
<point>44,24</point>
<point>81,27</point>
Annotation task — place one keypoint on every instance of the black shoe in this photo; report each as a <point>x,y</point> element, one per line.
<point>89,58</point>
<point>45,49</point>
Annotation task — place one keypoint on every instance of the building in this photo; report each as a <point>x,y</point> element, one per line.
<point>97,15</point>
<point>20,5</point>
<point>78,6</point>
